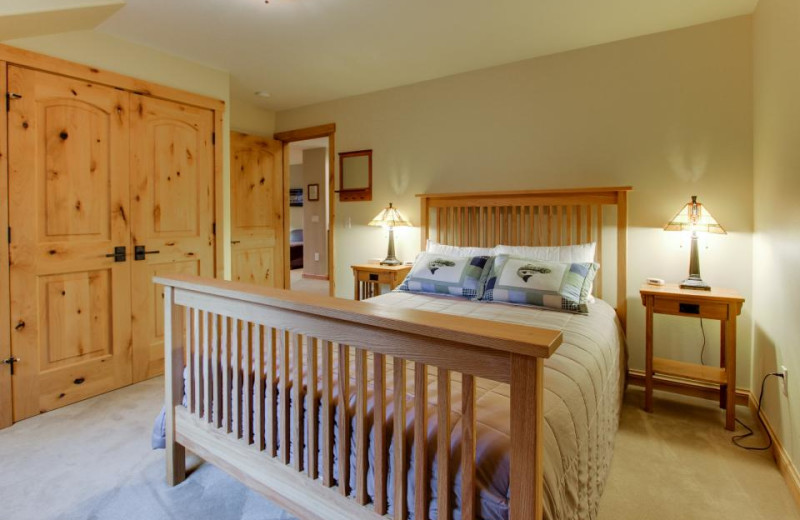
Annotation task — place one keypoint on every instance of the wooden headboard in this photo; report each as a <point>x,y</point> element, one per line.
<point>531,218</point>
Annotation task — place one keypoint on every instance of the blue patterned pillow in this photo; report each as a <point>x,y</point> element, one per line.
<point>446,274</point>
<point>525,281</point>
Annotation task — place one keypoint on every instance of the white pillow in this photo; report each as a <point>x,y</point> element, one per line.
<point>579,253</point>
<point>443,249</point>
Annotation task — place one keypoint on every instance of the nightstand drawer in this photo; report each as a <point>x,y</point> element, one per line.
<point>366,276</point>
<point>711,310</point>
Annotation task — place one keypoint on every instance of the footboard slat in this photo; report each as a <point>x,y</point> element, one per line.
<point>215,372</point>
<point>236,366</point>
<point>443,477</point>
<point>400,459</point>
<point>344,420</point>
<point>258,401</point>
<point>468,488</point>
<point>284,420</point>
<point>189,360</point>
<point>270,342</point>
<point>311,408</point>
<point>327,414</point>
<point>297,400</point>
<point>246,395</point>
<point>196,360</point>
<point>226,378</point>
<point>421,440</point>
<point>379,414</point>
<point>362,434</point>
<point>207,366</point>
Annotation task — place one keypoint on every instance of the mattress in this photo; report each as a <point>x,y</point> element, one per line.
<point>582,382</point>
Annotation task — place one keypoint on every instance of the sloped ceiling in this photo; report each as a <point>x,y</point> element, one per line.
<point>308,51</point>
<point>25,18</point>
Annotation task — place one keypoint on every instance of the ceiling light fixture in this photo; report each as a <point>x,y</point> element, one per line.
<point>262,93</point>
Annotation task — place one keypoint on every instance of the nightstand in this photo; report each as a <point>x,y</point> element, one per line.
<point>717,304</point>
<point>369,277</point>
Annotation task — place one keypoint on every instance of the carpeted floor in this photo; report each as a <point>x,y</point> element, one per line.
<point>92,460</point>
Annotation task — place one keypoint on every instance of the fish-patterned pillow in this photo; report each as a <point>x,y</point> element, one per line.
<point>526,281</point>
<point>446,274</point>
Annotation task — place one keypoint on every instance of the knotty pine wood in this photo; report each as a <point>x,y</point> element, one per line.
<point>6,415</point>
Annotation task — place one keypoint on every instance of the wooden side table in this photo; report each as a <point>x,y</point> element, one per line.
<point>369,277</point>
<point>717,304</point>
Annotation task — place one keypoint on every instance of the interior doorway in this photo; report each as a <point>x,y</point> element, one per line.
<point>308,173</point>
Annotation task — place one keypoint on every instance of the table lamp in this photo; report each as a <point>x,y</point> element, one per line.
<point>694,217</point>
<point>390,218</point>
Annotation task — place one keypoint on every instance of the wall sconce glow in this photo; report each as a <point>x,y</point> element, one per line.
<point>390,218</point>
<point>695,218</point>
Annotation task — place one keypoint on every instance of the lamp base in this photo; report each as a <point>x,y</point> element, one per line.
<point>391,261</point>
<point>695,283</point>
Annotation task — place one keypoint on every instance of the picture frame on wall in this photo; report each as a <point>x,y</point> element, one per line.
<point>313,192</point>
<point>296,197</point>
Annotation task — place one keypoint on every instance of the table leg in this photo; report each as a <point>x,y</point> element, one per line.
<point>730,369</point>
<point>723,388</point>
<point>648,380</point>
<point>357,295</point>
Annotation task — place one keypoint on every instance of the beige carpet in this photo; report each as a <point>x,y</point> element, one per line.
<point>309,285</point>
<point>92,460</point>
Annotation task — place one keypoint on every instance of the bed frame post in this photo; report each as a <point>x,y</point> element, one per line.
<point>622,258</point>
<point>424,215</point>
<point>527,419</point>
<point>173,385</point>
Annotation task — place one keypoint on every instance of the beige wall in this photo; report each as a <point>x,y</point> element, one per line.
<point>315,167</point>
<point>669,114</point>
<point>777,213</point>
<point>248,118</point>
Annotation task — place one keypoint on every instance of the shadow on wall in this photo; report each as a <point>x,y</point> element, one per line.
<point>765,361</point>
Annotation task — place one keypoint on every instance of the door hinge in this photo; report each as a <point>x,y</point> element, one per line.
<point>10,361</point>
<point>9,97</point>
<point>213,138</point>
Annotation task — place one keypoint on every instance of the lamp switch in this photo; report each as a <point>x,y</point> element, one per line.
<point>316,257</point>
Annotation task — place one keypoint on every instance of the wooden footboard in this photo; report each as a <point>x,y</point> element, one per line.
<point>236,340</point>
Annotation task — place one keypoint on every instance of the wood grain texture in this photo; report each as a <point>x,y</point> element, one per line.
<point>173,388</point>
<point>362,428</point>
<point>327,413</point>
<point>468,443</point>
<point>444,484</point>
<point>284,421</point>
<point>379,413</point>
<point>344,418</point>
<point>400,449</point>
<point>527,402</point>
<point>297,400</point>
<point>6,417</point>
<point>312,409</point>
<point>421,472</point>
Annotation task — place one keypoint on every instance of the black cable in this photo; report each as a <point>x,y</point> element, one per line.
<point>703,348</point>
<point>736,438</point>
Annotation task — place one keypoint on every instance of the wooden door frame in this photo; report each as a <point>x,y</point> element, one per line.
<point>304,134</point>
<point>6,415</point>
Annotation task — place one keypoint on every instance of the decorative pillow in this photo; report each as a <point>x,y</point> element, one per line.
<point>444,249</point>
<point>527,281</point>
<point>576,253</point>
<point>446,274</point>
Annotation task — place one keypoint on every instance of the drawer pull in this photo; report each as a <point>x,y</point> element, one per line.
<point>689,308</point>
<point>373,277</point>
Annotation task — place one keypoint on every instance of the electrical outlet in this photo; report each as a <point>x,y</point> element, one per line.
<point>785,380</point>
<point>316,257</point>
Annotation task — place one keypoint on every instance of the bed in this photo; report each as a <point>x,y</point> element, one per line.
<point>328,370</point>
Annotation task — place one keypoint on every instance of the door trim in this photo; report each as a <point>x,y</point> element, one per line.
<point>6,416</point>
<point>302,134</point>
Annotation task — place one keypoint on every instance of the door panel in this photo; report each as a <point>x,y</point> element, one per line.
<point>68,209</point>
<point>172,186</point>
<point>257,210</point>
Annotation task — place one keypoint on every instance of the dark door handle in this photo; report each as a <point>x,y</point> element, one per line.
<point>234,242</point>
<point>119,254</point>
<point>139,253</point>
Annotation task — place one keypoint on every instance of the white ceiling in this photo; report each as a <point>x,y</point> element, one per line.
<point>308,51</point>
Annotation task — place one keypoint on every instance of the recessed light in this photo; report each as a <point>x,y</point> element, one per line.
<point>262,93</point>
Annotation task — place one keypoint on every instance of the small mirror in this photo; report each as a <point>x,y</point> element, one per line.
<point>355,176</point>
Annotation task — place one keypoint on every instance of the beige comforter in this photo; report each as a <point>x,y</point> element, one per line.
<point>583,383</point>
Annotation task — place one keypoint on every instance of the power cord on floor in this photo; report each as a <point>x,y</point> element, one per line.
<point>703,348</point>
<point>736,438</point>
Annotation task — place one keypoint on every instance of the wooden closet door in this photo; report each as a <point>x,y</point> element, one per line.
<point>68,210</point>
<point>257,210</point>
<point>172,202</point>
